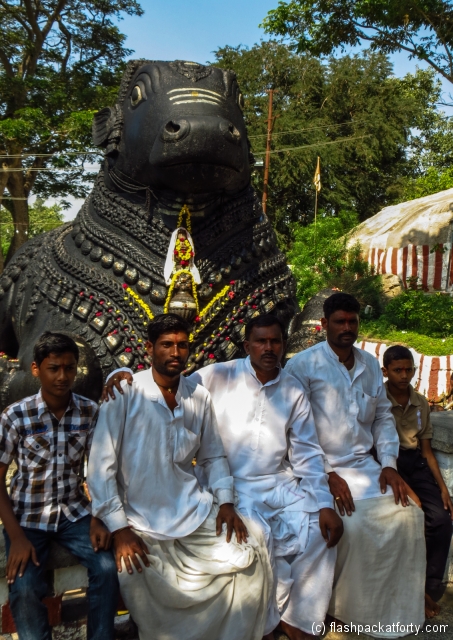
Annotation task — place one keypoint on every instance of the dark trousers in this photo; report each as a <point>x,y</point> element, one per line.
<point>26,593</point>
<point>414,469</point>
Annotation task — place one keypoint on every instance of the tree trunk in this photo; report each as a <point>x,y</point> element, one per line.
<point>19,194</point>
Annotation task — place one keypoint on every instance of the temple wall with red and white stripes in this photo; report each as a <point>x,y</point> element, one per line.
<point>433,377</point>
<point>431,270</point>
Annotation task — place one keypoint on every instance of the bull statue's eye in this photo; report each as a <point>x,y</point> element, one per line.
<point>241,101</point>
<point>136,95</point>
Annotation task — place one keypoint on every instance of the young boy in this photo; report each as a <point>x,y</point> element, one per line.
<point>47,435</point>
<point>418,466</point>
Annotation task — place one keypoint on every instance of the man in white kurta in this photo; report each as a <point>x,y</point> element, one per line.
<point>271,444</point>
<point>379,578</point>
<point>191,583</point>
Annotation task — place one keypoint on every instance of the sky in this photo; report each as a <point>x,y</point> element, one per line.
<point>194,29</point>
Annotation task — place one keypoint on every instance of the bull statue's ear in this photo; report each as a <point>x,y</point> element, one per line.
<point>102,125</point>
<point>106,129</point>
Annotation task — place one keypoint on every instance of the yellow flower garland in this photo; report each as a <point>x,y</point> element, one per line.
<point>213,301</point>
<point>184,250</point>
<point>140,302</point>
<point>172,286</point>
<point>185,212</point>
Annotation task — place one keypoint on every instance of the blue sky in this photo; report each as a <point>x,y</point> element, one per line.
<point>193,29</point>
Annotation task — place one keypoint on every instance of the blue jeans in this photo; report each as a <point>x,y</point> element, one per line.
<point>26,594</point>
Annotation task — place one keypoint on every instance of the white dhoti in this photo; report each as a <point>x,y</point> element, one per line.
<point>380,570</point>
<point>303,569</point>
<point>200,587</point>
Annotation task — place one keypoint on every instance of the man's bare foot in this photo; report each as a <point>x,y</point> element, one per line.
<point>432,609</point>
<point>293,633</point>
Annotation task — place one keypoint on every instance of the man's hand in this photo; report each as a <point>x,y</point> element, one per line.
<point>100,536</point>
<point>115,383</point>
<point>446,499</point>
<point>400,489</point>
<point>331,526</point>
<point>227,514</point>
<point>340,490</point>
<point>20,552</point>
<point>128,545</point>
<point>411,493</point>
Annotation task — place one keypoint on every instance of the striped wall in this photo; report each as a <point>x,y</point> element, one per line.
<point>432,269</point>
<point>434,375</point>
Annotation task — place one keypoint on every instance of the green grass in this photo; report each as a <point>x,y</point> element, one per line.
<point>429,346</point>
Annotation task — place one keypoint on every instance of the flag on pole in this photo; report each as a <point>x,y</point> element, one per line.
<point>317,178</point>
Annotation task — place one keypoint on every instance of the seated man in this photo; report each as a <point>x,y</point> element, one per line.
<point>379,576</point>
<point>418,466</point>
<point>268,432</point>
<point>47,435</point>
<point>193,580</point>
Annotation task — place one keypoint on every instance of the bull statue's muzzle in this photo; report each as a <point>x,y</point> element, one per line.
<point>191,150</point>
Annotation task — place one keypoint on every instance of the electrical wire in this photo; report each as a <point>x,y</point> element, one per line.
<point>52,155</point>
<point>328,126</point>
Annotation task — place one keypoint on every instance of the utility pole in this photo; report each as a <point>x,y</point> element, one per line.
<point>270,126</point>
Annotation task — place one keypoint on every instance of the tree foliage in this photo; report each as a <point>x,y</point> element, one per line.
<point>424,29</point>
<point>42,218</point>
<point>320,258</point>
<point>350,111</point>
<point>60,60</point>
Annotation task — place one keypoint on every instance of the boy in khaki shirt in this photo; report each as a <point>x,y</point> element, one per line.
<point>418,466</point>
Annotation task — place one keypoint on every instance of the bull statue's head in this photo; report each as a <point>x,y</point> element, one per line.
<point>177,135</point>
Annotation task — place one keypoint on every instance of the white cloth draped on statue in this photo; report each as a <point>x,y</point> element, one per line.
<point>200,587</point>
<point>380,569</point>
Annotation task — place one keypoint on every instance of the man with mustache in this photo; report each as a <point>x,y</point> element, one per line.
<point>268,432</point>
<point>383,542</point>
<point>192,578</point>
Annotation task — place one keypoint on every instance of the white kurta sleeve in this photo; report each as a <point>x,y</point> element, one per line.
<point>112,373</point>
<point>305,453</point>
<point>299,373</point>
<point>103,464</point>
<point>211,457</point>
<point>383,429</point>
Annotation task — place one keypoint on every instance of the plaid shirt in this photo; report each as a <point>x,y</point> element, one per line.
<point>49,456</point>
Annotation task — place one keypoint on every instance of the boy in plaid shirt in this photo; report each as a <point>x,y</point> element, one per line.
<point>48,435</point>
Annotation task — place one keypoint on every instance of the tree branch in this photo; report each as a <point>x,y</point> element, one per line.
<point>68,38</point>
<point>400,45</point>
<point>6,63</point>
<point>32,19</point>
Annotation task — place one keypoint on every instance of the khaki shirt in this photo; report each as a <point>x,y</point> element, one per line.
<point>412,422</point>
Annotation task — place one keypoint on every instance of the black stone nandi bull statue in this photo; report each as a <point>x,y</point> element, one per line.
<point>176,148</point>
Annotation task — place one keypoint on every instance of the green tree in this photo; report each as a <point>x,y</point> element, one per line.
<point>350,111</point>
<point>319,258</point>
<point>42,218</point>
<point>422,29</point>
<point>60,60</point>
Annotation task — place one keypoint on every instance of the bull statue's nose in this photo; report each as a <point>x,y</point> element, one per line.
<point>176,130</point>
<point>230,132</point>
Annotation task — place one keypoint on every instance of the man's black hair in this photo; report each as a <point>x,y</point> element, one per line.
<point>340,302</point>
<point>53,342</point>
<point>266,320</point>
<point>166,323</point>
<point>397,352</point>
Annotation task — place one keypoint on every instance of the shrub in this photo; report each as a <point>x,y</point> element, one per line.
<point>320,259</point>
<point>414,310</point>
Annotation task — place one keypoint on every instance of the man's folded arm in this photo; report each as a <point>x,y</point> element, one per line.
<point>211,456</point>
<point>383,429</point>
<point>103,465</point>
<point>306,456</point>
